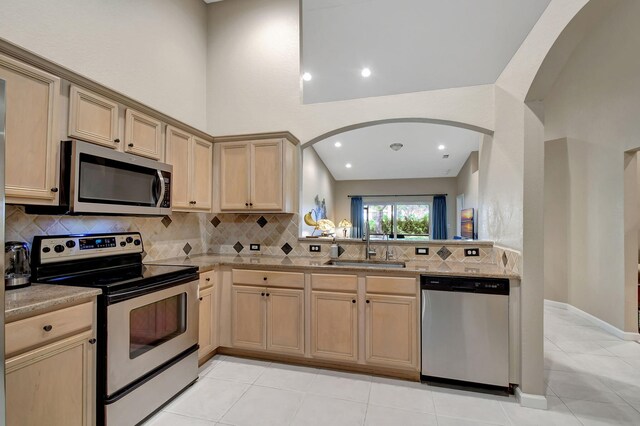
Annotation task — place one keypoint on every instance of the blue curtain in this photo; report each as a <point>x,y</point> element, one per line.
<point>439,217</point>
<point>357,219</point>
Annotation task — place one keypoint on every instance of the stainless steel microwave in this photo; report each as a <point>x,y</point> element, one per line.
<point>99,180</point>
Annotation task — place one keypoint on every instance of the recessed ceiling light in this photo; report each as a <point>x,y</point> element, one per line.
<point>396,146</point>
<point>306,76</point>
<point>337,144</point>
<point>348,165</point>
<point>366,72</point>
<point>441,147</point>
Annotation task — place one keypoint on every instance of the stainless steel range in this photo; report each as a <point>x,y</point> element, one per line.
<point>147,319</point>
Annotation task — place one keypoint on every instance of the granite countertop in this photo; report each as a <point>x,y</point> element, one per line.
<point>40,298</point>
<point>207,262</point>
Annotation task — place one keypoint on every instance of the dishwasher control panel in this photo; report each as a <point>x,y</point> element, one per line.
<point>465,284</point>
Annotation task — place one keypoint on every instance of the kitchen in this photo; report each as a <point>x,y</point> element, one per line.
<point>216,179</point>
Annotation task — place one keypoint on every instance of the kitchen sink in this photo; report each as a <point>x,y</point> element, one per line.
<point>367,263</point>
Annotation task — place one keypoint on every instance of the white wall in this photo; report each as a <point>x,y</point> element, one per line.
<point>343,188</point>
<point>316,181</point>
<point>467,181</point>
<point>151,50</point>
<point>594,104</point>
<point>254,80</point>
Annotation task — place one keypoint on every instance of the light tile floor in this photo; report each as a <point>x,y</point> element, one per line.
<point>592,378</point>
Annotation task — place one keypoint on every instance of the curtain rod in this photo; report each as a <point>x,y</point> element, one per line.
<point>397,195</point>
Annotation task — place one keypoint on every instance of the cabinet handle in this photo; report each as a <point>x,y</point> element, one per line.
<point>246,204</point>
<point>195,202</point>
<point>200,298</point>
<point>116,140</point>
<point>207,279</point>
<point>261,294</point>
<point>265,278</point>
<point>54,189</point>
<point>47,328</point>
<point>353,301</point>
<point>92,341</point>
<point>130,145</point>
<point>250,204</point>
<point>267,294</point>
<point>367,301</point>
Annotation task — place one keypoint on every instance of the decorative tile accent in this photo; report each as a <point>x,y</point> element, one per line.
<point>262,221</point>
<point>340,251</point>
<point>166,221</point>
<point>286,248</point>
<point>187,249</point>
<point>444,253</point>
<point>215,221</point>
<point>238,247</point>
<point>505,259</point>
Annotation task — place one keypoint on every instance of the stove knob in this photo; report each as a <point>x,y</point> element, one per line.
<point>70,244</point>
<point>59,248</point>
<point>129,240</point>
<point>122,244</point>
<point>137,242</point>
<point>46,249</point>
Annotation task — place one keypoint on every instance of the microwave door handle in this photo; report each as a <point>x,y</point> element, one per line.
<point>162,188</point>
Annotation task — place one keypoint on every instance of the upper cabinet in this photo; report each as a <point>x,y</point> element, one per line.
<point>192,161</point>
<point>32,100</point>
<point>256,175</point>
<point>143,135</point>
<point>93,118</point>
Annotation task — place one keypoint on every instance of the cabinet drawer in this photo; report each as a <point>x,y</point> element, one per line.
<point>207,279</point>
<point>30,332</point>
<point>334,282</point>
<point>392,285</point>
<point>269,278</point>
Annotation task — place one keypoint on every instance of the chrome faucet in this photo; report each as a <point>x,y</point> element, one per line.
<point>368,251</point>
<point>387,255</point>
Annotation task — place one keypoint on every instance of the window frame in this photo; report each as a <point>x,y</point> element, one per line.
<point>394,202</point>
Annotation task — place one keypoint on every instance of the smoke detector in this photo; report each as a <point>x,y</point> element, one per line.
<point>396,146</point>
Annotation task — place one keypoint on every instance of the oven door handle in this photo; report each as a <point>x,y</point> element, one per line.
<point>159,188</point>
<point>152,288</point>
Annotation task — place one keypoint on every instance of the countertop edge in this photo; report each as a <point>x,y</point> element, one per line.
<point>30,308</point>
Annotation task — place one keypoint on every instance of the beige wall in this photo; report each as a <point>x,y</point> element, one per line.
<point>448,186</point>
<point>594,104</point>
<point>317,180</point>
<point>151,50</point>
<point>467,182</point>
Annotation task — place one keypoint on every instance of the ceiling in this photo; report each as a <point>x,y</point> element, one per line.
<point>409,45</point>
<point>367,150</point>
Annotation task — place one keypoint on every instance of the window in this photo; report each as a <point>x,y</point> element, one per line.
<point>399,220</point>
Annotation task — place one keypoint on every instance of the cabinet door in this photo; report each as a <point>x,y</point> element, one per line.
<point>202,174</point>
<point>143,135</point>
<point>334,325</point>
<point>285,320</point>
<point>52,385</point>
<point>93,118</point>
<point>205,330</point>
<point>266,175</point>
<point>248,328</point>
<point>391,333</point>
<point>32,98</point>
<point>178,147</point>
<point>234,176</point>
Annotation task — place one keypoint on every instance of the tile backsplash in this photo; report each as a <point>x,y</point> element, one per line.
<point>188,234</point>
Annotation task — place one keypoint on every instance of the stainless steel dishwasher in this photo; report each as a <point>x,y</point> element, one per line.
<point>465,329</point>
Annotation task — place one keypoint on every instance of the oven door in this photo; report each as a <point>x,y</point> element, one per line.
<point>106,181</point>
<point>146,331</point>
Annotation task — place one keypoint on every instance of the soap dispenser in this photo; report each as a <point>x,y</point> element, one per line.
<point>333,252</point>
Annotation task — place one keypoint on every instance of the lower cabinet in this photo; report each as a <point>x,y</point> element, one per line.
<point>391,332</point>
<point>266,318</point>
<point>52,385</point>
<point>206,324</point>
<point>334,325</point>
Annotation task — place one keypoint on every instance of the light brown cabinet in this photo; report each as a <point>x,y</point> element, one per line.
<point>248,321</point>
<point>32,99</point>
<point>50,376</point>
<point>143,135</point>
<point>391,322</point>
<point>192,161</point>
<point>206,323</point>
<point>334,325</point>
<point>256,175</point>
<point>93,118</point>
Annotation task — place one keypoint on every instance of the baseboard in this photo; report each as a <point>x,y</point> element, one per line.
<point>530,400</point>
<point>620,334</point>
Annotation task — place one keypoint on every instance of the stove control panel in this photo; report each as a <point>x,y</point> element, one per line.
<point>63,248</point>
